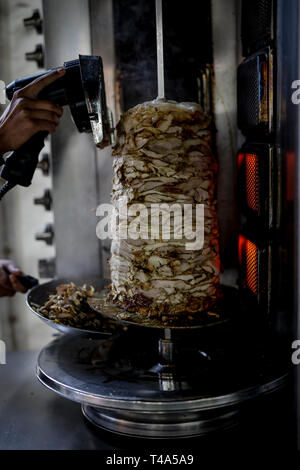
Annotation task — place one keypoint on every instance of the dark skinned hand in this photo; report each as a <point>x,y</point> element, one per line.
<point>26,114</point>
<point>9,283</point>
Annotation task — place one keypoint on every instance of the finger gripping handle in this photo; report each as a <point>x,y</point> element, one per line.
<point>20,165</point>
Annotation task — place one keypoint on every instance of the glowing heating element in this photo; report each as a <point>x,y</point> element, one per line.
<point>252,179</point>
<point>248,258</point>
<point>249,165</point>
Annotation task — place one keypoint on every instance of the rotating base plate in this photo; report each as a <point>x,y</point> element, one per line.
<point>141,425</point>
<point>121,390</point>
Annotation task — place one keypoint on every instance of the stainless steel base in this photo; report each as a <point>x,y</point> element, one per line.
<point>159,425</point>
<point>122,396</point>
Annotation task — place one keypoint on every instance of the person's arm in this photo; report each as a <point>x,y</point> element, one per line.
<point>26,114</point>
<point>9,283</point>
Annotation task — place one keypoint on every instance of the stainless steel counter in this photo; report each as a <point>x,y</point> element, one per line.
<point>34,418</point>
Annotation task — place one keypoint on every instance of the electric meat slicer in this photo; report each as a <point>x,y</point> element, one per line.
<point>82,89</point>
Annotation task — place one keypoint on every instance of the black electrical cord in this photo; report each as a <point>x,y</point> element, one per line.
<point>5,188</point>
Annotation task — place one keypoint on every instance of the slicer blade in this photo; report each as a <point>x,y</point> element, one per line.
<point>92,77</point>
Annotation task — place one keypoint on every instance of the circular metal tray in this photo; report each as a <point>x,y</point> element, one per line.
<point>125,398</point>
<point>39,294</point>
<point>221,314</point>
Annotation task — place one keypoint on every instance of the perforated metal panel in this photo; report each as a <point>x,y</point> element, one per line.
<point>255,94</point>
<point>252,182</point>
<point>248,94</point>
<point>255,271</point>
<point>258,189</point>
<point>257,24</point>
<point>248,255</point>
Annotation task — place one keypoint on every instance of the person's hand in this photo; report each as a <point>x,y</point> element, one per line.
<point>9,283</point>
<point>26,114</point>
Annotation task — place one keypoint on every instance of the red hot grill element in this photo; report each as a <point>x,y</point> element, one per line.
<point>255,273</point>
<point>258,189</point>
<point>249,183</point>
<point>252,182</point>
<point>248,259</point>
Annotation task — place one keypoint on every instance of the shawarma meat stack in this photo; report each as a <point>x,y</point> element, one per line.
<point>164,155</point>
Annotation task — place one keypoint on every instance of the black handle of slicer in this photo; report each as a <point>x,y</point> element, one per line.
<point>82,89</point>
<point>20,165</point>
<point>27,281</point>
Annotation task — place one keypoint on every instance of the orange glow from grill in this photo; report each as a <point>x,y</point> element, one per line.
<point>248,258</point>
<point>241,157</point>
<point>252,188</point>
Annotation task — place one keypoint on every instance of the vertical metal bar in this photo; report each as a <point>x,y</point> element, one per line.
<point>287,67</point>
<point>296,48</point>
<point>102,36</point>
<point>224,101</point>
<point>160,50</point>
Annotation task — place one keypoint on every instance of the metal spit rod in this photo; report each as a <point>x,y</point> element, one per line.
<point>160,50</point>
